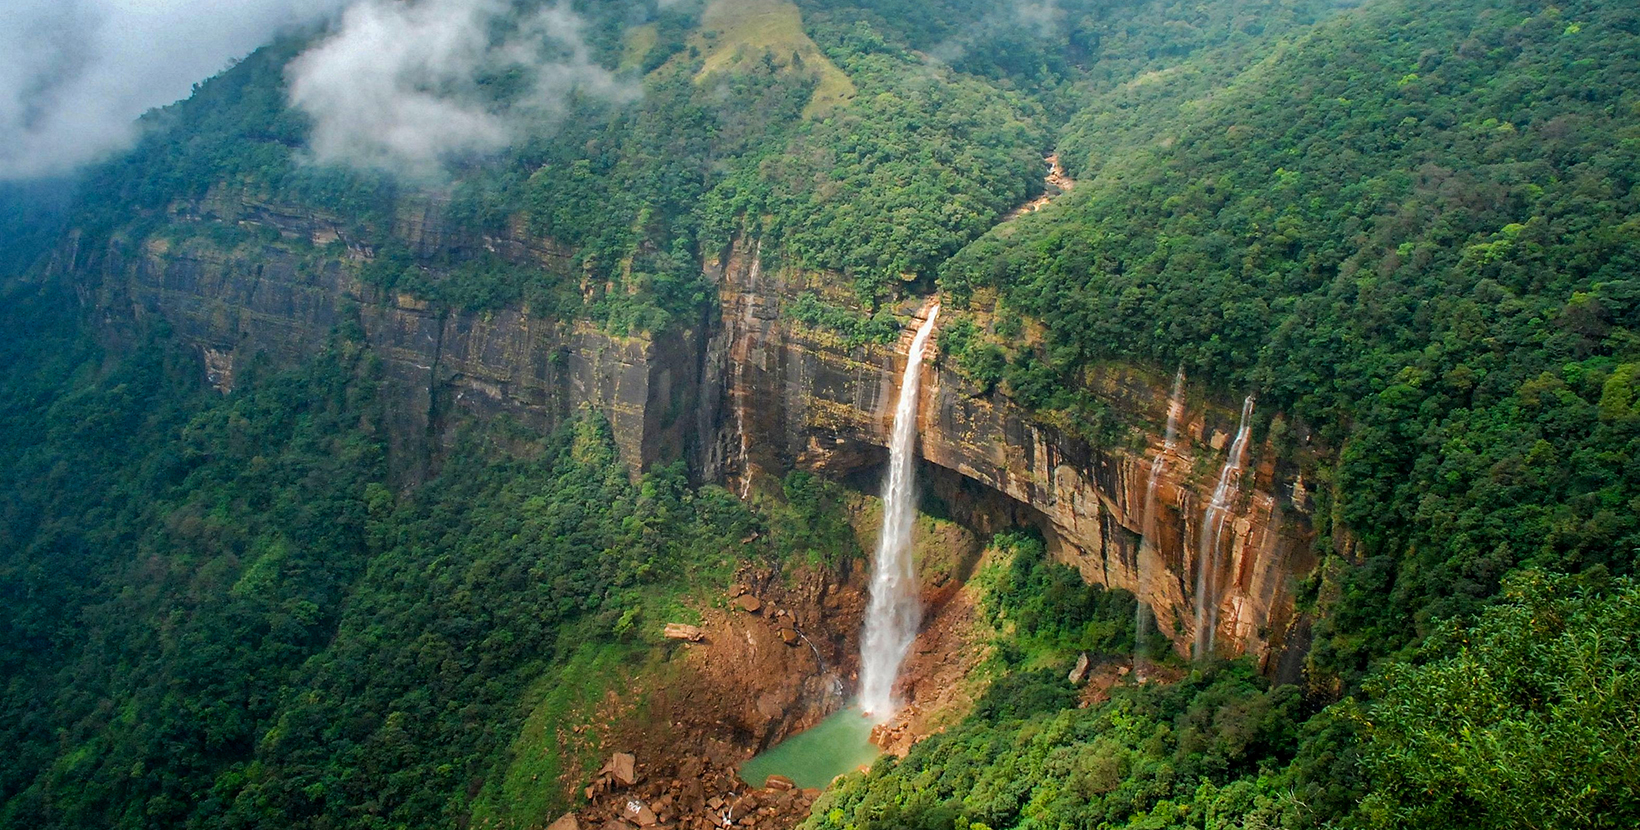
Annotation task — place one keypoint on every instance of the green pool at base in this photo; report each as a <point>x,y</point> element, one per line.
<point>840,743</point>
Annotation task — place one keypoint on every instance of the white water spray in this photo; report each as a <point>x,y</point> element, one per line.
<point>893,614</point>
<point>1147,530</point>
<point>1212,524</point>
<point>742,437</point>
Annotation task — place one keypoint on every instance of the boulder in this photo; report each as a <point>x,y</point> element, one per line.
<point>639,812</point>
<point>624,767</point>
<point>566,821</point>
<point>683,631</point>
<point>748,603</point>
<point>1079,672</point>
<point>780,783</point>
<point>788,636</point>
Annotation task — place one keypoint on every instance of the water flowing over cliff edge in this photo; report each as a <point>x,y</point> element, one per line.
<point>746,393</point>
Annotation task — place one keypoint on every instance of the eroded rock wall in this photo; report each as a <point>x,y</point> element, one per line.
<point>441,366</point>
<point>743,395</point>
<point>808,400</point>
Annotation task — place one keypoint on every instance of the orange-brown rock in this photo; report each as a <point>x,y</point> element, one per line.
<point>748,393</point>
<point>815,402</point>
<point>624,767</point>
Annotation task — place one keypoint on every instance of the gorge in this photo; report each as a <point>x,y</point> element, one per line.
<point>749,393</point>
<point>866,414</point>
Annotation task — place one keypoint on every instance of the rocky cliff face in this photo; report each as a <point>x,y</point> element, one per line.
<point>794,396</point>
<point>743,396</point>
<point>440,366</point>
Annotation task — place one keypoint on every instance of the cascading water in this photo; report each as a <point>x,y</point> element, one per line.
<point>893,614</point>
<point>742,437</point>
<point>1212,524</point>
<point>1147,538</point>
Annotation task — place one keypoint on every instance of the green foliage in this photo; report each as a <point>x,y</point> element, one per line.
<point>1051,607</point>
<point>1412,229</point>
<point>884,189</point>
<point>169,562</point>
<point>218,614</point>
<point>853,327</point>
<point>1523,719</point>
<point>32,215</point>
<point>1153,756</point>
<point>478,579</point>
<point>1526,719</point>
<point>812,522</point>
<point>1432,271</point>
<point>980,360</point>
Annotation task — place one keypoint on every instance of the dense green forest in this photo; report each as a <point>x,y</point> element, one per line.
<point>218,613</point>
<point>1411,228</point>
<point>1423,245</point>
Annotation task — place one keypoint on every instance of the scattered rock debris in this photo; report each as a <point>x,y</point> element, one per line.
<point>704,795</point>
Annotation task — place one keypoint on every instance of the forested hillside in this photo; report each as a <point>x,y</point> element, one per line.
<point>1414,230</point>
<point>1409,229</point>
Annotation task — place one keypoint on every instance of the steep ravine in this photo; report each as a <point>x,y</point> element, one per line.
<point>770,657</point>
<point>745,395</point>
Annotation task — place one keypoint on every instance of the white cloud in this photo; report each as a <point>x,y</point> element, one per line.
<point>76,74</point>
<point>397,85</point>
<point>1041,18</point>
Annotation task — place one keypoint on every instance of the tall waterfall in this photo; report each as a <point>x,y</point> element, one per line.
<point>1207,589</point>
<point>1147,531</point>
<point>893,614</point>
<point>742,437</point>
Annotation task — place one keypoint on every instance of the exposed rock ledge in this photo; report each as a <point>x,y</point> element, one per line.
<point>745,393</point>
<point>813,404</point>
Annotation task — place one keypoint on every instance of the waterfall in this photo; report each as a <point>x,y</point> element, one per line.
<point>893,614</point>
<point>1212,524</point>
<point>1147,530</point>
<point>742,437</point>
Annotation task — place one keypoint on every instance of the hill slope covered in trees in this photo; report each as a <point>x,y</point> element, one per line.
<point>1410,227</point>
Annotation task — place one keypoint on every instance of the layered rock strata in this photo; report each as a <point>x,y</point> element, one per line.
<point>813,403</point>
<point>743,394</point>
<point>281,300</point>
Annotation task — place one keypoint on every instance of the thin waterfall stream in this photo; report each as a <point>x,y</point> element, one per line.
<point>1212,525</point>
<point>894,612</point>
<point>1147,530</point>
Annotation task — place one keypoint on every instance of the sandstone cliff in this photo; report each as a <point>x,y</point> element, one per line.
<point>794,396</point>
<point>745,392</point>
<point>282,299</point>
